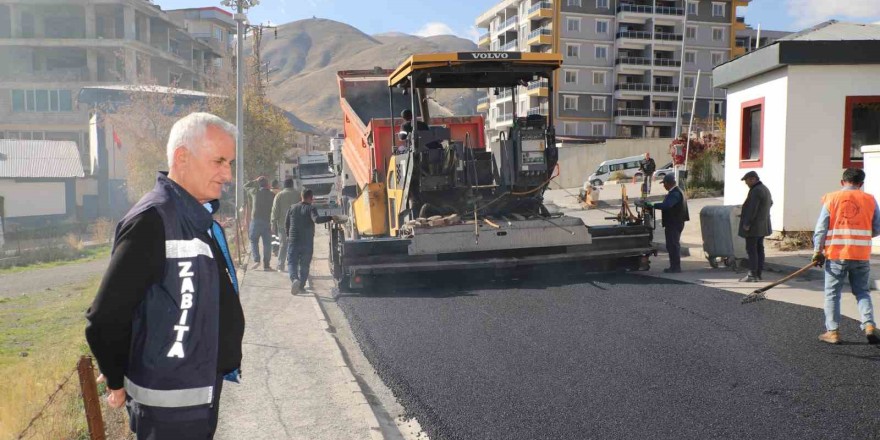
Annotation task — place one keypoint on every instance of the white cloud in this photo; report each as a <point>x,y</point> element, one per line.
<point>812,12</point>
<point>435,28</point>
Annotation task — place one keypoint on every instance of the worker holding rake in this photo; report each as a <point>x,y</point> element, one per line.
<point>842,243</point>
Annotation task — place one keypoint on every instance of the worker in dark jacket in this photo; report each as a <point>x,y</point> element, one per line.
<point>647,168</point>
<point>300,227</point>
<point>283,201</point>
<point>166,325</point>
<point>262,199</point>
<point>754,224</point>
<point>675,214</point>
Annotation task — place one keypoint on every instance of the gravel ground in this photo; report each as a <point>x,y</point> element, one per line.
<point>611,356</point>
<point>38,280</point>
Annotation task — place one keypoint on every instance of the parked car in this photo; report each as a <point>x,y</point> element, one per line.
<point>629,166</point>
<point>663,171</point>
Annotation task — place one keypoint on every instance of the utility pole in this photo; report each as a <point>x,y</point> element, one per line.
<point>240,20</point>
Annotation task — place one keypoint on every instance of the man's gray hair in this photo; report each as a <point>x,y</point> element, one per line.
<point>189,130</point>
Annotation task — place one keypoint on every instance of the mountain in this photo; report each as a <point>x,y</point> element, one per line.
<point>304,58</point>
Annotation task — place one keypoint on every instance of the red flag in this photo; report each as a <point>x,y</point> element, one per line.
<point>116,140</point>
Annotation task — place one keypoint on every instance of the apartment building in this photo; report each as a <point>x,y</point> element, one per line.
<point>628,65</point>
<point>50,49</point>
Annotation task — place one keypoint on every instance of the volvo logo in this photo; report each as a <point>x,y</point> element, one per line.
<point>489,56</point>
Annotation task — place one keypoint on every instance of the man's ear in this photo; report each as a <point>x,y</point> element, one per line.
<point>181,156</point>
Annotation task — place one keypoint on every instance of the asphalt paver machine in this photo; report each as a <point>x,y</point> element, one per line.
<point>433,194</point>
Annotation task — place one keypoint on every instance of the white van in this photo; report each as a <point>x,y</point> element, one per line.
<point>629,166</point>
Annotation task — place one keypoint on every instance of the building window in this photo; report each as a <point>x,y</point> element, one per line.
<point>602,4</point>
<point>570,128</point>
<point>574,3</point>
<point>689,82</point>
<point>690,57</point>
<point>598,78</point>
<point>752,139</point>
<point>861,127</point>
<point>716,108</point>
<point>693,8</point>
<point>601,52</point>
<point>717,58</point>
<point>601,26</point>
<point>41,100</point>
<point>598,129</point>
<point>718,9</point>
<point>571,77</point>
<point>691,32</point>
<point>717,34</point>
<point>573,24</point>
<point>569,102</point>
<point>598,103</point>
<point>573,50</point>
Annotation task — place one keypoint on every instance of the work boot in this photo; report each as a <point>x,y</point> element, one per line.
<point>256,266</point>
<point>759,276</point>
<point>295,287</point>
<point>871,334</point>
<point>750,278</point>
<point>268,269</point>
<point>831,337</point>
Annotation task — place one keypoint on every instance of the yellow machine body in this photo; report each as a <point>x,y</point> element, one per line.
<point>371,210</point>
<point>395,197</point>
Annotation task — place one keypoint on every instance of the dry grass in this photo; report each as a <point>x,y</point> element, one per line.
<point>103,230</point>
<point>795,241</point>
<point>41,338</point>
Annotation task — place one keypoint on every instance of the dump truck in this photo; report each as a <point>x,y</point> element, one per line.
<point>427,195</point>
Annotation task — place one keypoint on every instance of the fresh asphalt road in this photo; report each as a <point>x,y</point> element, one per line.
<point>612,356</point>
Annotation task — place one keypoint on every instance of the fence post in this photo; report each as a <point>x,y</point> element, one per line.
<point>91,400</point>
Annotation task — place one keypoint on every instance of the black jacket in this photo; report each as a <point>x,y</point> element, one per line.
<point>756,212</point>
<point>161,334</point>
<point>300,224</point>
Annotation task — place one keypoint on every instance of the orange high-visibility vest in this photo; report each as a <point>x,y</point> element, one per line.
<point>849,228</point>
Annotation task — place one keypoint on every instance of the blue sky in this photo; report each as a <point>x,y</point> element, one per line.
<point>430,17</point>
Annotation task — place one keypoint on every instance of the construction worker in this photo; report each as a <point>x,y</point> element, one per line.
<point>647,167</point>
<point>262,199</point>
<point>300,227</point>
<point>842,243</point>
<point>675,214</point>
<point>283,201</point>
<point>754,224</point>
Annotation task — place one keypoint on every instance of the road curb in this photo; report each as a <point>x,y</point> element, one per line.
<point>369,416</point>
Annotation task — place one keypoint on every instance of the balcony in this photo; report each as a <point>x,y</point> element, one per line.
<point>637,9</point>
<point>633,87</point>
<point>539,110</point>
<point>638,62</point>
<point>664,62</point>
<point>484,40</point>
<point>540,10</point>
<point>503,118</point>
<point>665,88</point>
<point>664,114</point>
<point>636,35</point>
<point>538,88</point>
<point>633,112</point>
<point>510,22</point>
<point>509,47</point>
<point>503,94</point>
<point>665,36</point>
<point>482,103</point>
<point>667,10</point>
<point>541,36</point>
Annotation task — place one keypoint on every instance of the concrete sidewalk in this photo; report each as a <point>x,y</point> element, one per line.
<point>296,383</point>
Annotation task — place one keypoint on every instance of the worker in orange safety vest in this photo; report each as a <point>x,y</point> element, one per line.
<point>842,244</point>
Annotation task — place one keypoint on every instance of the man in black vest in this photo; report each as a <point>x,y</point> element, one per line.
<point>675,214</point>
<point>166,325</point>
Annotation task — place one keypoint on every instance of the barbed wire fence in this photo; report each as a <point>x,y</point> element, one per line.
<point>72,411</point>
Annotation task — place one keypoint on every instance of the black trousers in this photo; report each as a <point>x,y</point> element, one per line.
<point>153,423</point>
<point>673,245</point>
<point>299,261</point>
<point>755,249</point>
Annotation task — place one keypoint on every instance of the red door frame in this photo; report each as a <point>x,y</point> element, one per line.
<point>851,101</point>
<point>745,133</point>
